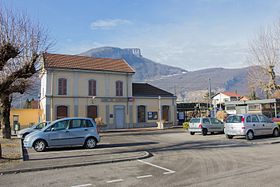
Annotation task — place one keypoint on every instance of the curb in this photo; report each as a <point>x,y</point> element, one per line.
<point>24,170</point>
<point>265,143</point>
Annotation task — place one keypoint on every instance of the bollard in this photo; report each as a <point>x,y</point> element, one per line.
<point>25,156</point>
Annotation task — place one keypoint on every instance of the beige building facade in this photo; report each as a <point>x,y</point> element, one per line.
<point>77,86</point>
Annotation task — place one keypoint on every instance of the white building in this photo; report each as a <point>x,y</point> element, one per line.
<point>222,97</point>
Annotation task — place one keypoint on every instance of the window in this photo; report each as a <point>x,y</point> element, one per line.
<point>75,123</point>
<point>255,119</point>
<point>92,111</point>
<point>205,121</point>
<point>215,121</point>
<point>264,119</point>
<point>119,88</point>
<point>61,112</point>
<point>234,119</point>
<point>165,113</point>
<point>62,86</point>
<point>141,116</point>
<point>61,125</point>
<point>41,125</point>
<point>87,123</point>
<point>248,119</point>
<point>254,107</point>
<point>92,87</point>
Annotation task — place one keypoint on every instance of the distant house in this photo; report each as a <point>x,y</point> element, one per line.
<point>79,86</point>
<point>222,97</point>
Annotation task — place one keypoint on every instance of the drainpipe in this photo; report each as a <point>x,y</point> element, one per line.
<point>52,84</point>
<point>275,110</point>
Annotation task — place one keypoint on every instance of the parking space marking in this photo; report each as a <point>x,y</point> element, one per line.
<point>116,180</point>
<point>82,185</point>
<point>168,171</point>
<point>144,176</point>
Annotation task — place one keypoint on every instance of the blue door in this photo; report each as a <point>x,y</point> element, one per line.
<point>119,116</point>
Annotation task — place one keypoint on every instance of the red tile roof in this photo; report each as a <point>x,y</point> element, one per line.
<point>86,63</point>
<point>231,94</point>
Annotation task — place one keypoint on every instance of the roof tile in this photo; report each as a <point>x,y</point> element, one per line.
<point>86,63</point>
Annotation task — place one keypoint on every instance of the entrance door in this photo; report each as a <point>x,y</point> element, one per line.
<point>92,111</point>
<point>119,116</point>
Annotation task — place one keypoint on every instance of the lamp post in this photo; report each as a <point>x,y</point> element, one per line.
<point>210,99</point>
<point>160,125</point>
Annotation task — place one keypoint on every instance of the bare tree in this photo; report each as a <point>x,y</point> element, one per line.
<point>21,44</point>
<point>264,54</point>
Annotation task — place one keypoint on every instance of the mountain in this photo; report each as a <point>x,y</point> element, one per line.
<point>146,69</point>
<point>193,85</point>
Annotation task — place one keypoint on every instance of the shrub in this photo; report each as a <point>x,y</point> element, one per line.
<point>186,125</point>
<point>278,123</point>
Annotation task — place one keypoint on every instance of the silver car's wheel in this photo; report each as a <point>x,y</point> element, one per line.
<point>40,145</point>
<point>250,135</point>
<point>275,132</point>
<point>90,143</point>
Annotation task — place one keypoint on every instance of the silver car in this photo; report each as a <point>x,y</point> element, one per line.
<point>23,132</point>
<point>250,125</point>
<point>205,125</point>
<point>64,133</point>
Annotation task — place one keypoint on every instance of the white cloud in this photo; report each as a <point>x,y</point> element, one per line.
<point>108,23</point>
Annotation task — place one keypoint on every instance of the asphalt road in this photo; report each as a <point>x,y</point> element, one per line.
<point>179,160</point>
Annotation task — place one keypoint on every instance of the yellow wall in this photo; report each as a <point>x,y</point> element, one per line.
<point>26,116</point>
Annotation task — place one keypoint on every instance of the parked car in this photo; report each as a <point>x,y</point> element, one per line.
<point>22,133</point>
<point>205,125</point>
<point>64,132</point>
<point>250,125</point>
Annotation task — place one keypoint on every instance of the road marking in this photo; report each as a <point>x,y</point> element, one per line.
<point>144,176</point>
<point>82,185</point>
<point>168,171</point>
<point>116,180</point>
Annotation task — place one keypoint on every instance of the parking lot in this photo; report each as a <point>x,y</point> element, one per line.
<point>179,159</point>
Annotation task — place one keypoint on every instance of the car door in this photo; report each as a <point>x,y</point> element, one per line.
<point>266,124</point>
<point>206,124</point>
<point>77,131</point>
<point>58,134</point>
<point>214,125</point>
<point>256,125</point>
<point>219,125</point>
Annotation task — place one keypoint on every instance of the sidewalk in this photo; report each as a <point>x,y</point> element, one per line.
<point>140,129</point>
<point>40,162</point>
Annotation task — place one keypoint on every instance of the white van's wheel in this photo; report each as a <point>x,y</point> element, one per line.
<point>192,133</point>
<point>275,132</point>
<point>229,136</point>
<point>250,135</point>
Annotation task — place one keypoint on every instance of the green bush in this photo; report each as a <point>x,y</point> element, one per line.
<point>186,125</point>
<point>278,123</point>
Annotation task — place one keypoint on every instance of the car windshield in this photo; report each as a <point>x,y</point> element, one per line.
<point>234,119</point>
<point>195,120</point>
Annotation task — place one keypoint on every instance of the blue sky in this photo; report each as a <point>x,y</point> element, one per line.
<point>191,34</point>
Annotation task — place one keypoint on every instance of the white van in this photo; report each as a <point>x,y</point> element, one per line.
<point>249,125</point>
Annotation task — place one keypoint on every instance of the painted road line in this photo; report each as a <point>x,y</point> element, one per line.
<point>82,185</point>
<point>168,171</point>
<point>116,180</point>
<point>144,176</point>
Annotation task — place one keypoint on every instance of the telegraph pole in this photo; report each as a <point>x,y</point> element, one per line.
<point>209,82</point>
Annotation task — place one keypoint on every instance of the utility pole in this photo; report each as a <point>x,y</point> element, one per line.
<point>210,99</point>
